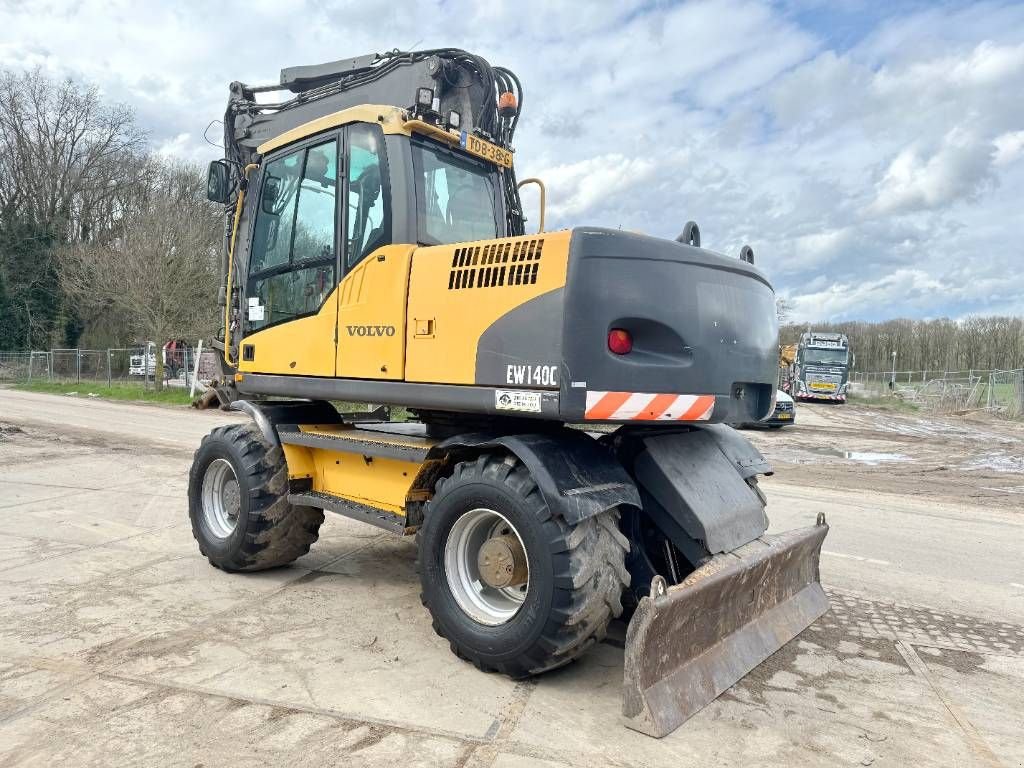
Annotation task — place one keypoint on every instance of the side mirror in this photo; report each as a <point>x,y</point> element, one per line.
<point>218,182</point>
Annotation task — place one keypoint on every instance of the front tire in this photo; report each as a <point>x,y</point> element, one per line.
<point>238,503</point>
<point>560,587</point>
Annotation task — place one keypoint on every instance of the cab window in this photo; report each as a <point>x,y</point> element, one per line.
<point>369,213</point>
<point>455,196</point>
<point>291,265</point>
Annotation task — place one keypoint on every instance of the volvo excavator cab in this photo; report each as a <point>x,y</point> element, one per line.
<point>567,460</point>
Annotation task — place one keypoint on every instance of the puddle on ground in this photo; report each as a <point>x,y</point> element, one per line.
<point>863,457</point>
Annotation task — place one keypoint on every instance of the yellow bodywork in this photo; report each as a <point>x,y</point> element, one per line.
<point>391,120</point>
<point>372,303</point>
<point>357,475</point>
<point>413,313</point>
<point>303,347</point>
<point>456,317</point>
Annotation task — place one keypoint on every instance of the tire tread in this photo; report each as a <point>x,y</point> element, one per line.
<point>590,573</point>
<point>278,532</point>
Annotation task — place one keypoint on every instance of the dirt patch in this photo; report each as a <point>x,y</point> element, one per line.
<point>964,662</point>
<point>39,441</point>
<point>972,459</point>
<point>8,431</point>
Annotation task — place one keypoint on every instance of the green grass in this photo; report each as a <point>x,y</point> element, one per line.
<point>1002,393</point>
<point>126,391</point>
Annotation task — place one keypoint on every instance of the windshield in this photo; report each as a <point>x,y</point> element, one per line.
<point>825,356</point>
<point>455,197</point>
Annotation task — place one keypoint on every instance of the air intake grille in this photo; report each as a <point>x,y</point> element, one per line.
<point>496,265</point>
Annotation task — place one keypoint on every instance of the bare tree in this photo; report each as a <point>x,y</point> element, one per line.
<point>160,272</point>
<point>979,343</point>
<point>64,153</point>
<point>68,167</point>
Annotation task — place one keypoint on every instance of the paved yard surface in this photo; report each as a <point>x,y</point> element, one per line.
<point>120,645</point>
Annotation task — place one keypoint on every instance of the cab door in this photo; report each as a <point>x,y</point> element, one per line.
<point>291,308</point>
<point>374,289</point>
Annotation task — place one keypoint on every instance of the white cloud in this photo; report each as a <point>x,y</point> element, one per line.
<point>836,301</point>
<point>822,247</point>
<point>184,147</point>
<point>961,168</point>
<point>1009,147</point>
<point>577,187</point>
<point>911,289</point>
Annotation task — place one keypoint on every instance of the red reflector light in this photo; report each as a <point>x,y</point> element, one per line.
<point>619,341</point>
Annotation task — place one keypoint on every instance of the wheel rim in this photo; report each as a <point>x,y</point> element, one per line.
<point>482,602</point>
<point>221,499</point>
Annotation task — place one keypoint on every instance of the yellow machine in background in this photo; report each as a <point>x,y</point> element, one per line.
<point>787,355</point>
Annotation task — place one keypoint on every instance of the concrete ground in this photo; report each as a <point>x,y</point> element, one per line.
<point>120,645</point>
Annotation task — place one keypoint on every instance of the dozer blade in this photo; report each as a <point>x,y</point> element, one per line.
<point>688,643</point>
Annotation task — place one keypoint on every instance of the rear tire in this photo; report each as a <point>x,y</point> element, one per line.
<point>238,503</point>
<point>576,573</point>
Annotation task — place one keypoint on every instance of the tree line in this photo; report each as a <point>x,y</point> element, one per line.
<point>102,242</point>
<point>979,343</point>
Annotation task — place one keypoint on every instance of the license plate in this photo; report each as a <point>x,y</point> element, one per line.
<point>784,416</point>
<point>484,149</point>
<point>822,385</point>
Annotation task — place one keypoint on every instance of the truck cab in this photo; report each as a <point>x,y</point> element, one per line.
<point>822,367</point>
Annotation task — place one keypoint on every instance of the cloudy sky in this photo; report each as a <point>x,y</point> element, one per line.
<point>871,153</point>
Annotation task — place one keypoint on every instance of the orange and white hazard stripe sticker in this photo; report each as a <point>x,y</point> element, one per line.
<point>642,406</point>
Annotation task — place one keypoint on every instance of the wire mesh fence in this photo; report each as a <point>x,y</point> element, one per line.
<point>947,391</point>
<point>1005,394</point>
<point>19,366</point>
<point>184,367</point>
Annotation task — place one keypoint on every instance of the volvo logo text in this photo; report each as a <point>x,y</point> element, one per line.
<point>371,330</point>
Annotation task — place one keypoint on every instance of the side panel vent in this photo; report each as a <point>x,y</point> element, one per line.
<point>496,265</point>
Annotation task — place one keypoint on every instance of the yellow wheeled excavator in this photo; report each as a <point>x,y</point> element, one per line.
<point>567,462</point>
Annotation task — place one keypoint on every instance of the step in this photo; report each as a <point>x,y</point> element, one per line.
<point>364,513</point>
<point>405,442</point>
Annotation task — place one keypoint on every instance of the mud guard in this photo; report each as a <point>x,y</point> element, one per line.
<point>267,414</point>
<point>688,643</point>
<point>576,475</point>
<point>699,479</point>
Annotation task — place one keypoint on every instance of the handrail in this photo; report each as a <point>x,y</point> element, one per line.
<point>231,262</point>
<point>543,197</point>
